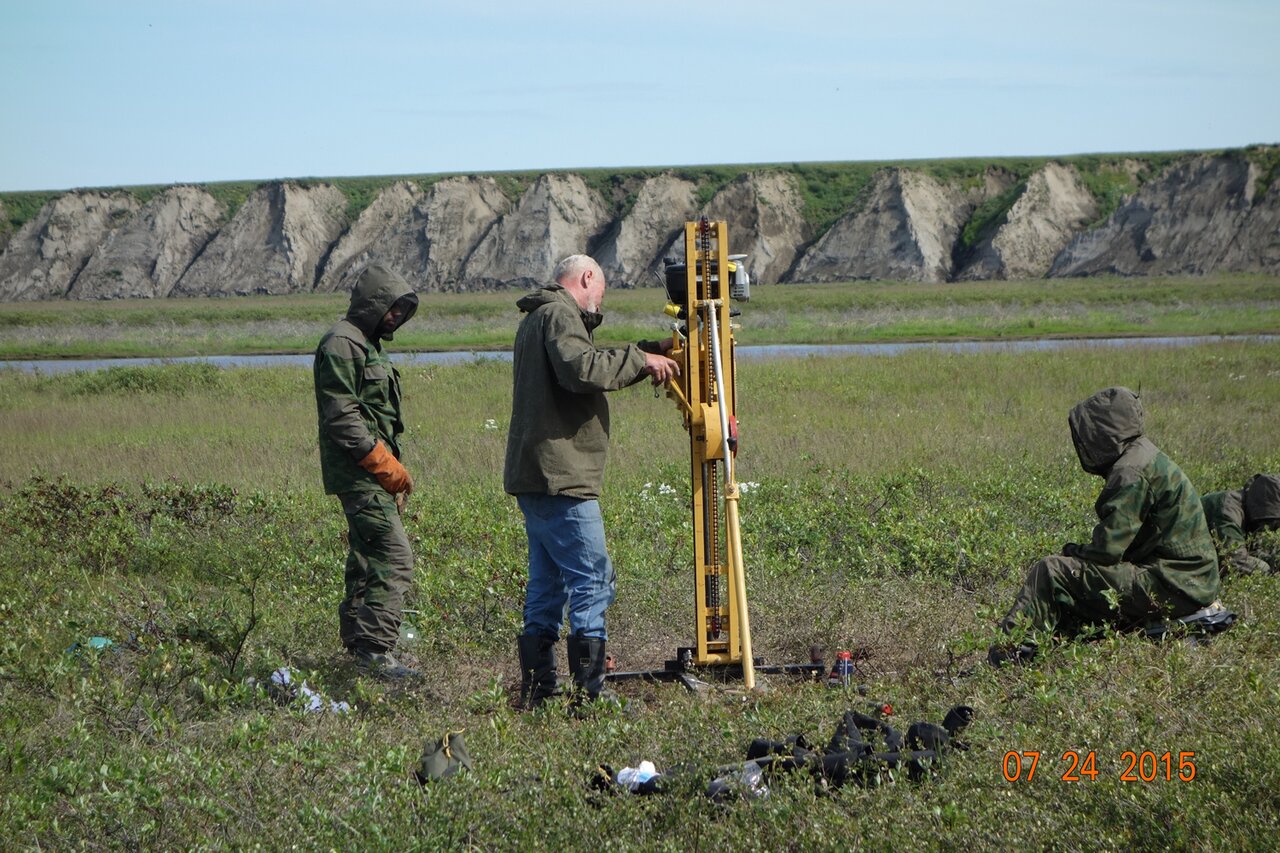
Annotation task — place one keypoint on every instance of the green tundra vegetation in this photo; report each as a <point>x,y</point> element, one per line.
<point>893,506</point>
<point>853,312</point>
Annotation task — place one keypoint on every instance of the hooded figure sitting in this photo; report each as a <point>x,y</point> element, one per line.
<point>1235,516</point>
<point>1150,557</point>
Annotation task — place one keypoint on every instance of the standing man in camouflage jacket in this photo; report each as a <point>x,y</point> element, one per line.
<point>358,406</point>
<point>556,448</point>
<point>1150,555</point>
<point>1234,516</point>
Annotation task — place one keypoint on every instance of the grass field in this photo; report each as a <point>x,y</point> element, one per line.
<point>777,314</point>
<point>896,504</point>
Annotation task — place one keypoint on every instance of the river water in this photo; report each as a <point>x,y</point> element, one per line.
<point>771,351</point>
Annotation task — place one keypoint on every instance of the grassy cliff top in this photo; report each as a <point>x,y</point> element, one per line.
<point>829,188</point>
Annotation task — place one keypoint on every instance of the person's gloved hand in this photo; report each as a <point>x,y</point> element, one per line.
<point>390,473</point>
<point>1071,549</point>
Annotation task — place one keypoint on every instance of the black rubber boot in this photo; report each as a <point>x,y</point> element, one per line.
<point>586,663</point>
<point>537,669</point>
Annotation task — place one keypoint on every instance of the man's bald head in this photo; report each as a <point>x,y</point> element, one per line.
<point>582,277</point>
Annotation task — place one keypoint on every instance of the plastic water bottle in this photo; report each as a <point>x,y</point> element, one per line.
<point>842,672</point>
<point>408,636</point>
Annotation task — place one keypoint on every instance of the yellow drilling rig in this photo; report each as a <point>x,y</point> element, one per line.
<point>699,292</point>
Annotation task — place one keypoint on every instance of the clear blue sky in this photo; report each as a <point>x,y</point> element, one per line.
<point>119,92</point>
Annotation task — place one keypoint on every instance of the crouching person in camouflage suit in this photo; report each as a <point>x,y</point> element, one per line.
<point>1150,556</point>
<point>1235,516</point>
<point>358,405</point>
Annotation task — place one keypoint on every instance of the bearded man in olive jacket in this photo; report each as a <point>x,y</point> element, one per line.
<point>358,407</point>
<point>556,448</point>
<point>1236,516</point>
<point>1150,556</point>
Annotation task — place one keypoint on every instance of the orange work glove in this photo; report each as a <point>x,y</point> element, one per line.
<point>390,473</point>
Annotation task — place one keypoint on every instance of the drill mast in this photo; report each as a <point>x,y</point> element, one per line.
<point>699,291</point>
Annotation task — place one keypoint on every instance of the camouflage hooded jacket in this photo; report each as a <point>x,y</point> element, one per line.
<point>357,389</point>
<point>559,433</point>
<point>1149,513</point>
<point>1235,514</point>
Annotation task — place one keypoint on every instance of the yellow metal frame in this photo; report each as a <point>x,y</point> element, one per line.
<point>706,394</point>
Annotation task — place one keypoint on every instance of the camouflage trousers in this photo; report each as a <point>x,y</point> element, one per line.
<point>1242,562</point>
<point>378,572</point>
<point>1067,593</point>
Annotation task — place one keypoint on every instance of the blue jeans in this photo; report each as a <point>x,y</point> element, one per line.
<point>567,563</point>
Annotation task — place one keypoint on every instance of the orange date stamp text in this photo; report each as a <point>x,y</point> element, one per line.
<point>1082,766</point>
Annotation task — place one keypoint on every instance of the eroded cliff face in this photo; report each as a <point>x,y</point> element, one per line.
<point>1183,222</point>
<point>391,230</point>
<point>45,256</point>
<point>1054,206</point>
<point>765,216</point>
<point>1256,248</point>
<point>1203,213</point>
<point>765,213</point>
<point>460,213</point>
<point>558,216</point>
<point>632,251</point>
<point>273,244</point>
<point>147,255</point>
<point>905,231</point>
<point>425,236</point>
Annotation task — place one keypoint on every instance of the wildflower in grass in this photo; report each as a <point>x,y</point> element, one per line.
<point>490,424</point>
<point>649,491</point>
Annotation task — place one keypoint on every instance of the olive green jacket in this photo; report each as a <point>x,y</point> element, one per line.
<point>1224,512</point>
<point>357,388</point>
<point>1235,515</point>
<point>559,433</point>
<point>1149,513</point>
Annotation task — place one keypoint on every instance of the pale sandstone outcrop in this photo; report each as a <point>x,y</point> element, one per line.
<point>1182,222</point>
<point>1205,213</point>
<point>146,256</point>
<point>905,231</point>
<point>632,250</point>
<point>558,216</point>
<point>1256,248</point>
<point>425,236</point>
<point>45,256</point>
<point>765,216</point>
<point>273,244</point>
<point>1053,208</point>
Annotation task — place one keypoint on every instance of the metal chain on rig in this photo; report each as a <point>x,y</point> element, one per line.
<point>715,575</point>
<point>711,469</point>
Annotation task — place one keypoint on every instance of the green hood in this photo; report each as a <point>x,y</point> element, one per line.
<point>376,291</point>
<point>1103,426</point>
<point>556,293</point>
<point>1262,501</point>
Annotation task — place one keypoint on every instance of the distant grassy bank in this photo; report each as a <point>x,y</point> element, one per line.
<point>778,314</point>
<point>828,189</point>
<point>895,504</point>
